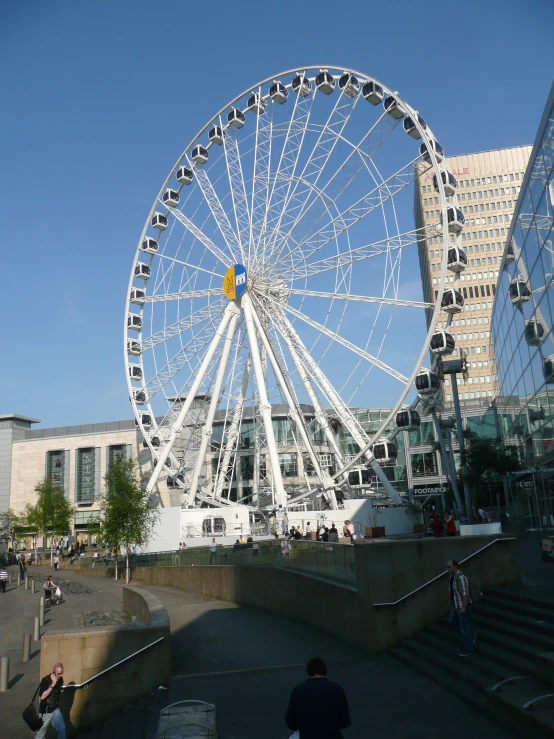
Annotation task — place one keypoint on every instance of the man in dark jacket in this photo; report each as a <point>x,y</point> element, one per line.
<point>318,708</point>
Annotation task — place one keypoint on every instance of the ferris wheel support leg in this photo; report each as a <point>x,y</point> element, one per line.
<point>178,425</point>
<point>207,430</point>
<point>280,495</point>
<point>293,408</point>
<point>446,459</point>
<point>233,432</point>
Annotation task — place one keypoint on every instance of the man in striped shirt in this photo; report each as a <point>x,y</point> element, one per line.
<point>461,605</point>
<point>3,579</point>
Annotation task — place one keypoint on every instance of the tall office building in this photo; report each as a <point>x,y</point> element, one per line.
<point>488,187</point>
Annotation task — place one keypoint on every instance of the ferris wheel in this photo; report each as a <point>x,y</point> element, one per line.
<point>277,274</point>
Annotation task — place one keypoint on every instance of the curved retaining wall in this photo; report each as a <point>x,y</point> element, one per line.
<point>86,652</point>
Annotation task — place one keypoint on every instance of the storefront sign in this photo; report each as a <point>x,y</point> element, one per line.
<point>429,490</point>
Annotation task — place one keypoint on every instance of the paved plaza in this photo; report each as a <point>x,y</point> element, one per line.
<point>246,661</point>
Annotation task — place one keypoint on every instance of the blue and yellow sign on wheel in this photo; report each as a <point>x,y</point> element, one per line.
<point>234,282</point>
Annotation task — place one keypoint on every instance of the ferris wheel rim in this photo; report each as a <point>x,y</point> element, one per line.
<point>425,134</point>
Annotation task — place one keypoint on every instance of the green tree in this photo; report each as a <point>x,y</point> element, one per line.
<point>126,518</point>
<point>51,514</point>
<point>10,525</point>
<point>484,458</point>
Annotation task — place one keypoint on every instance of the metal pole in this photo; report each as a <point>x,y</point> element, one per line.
<point>19,578</point>
<point>36,628</point>
<point>26,653</point>
<point>460,433</point>
<point>10,574</point>
<point>26,582</point>
<point>451,472</point>
<point>4,673</point>
<point>33,586</point>
<point>41,611</point>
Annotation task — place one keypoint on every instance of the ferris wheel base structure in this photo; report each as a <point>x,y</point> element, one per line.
<point>254,285</point>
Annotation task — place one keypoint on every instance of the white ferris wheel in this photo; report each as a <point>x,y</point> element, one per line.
<point>268,275</point>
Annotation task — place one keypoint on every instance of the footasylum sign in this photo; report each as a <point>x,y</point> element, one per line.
<point>429,489</point>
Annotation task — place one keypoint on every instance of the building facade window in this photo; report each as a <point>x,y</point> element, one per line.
<point>86,475</point>
<point>288,462</point>
<point>56,468</point>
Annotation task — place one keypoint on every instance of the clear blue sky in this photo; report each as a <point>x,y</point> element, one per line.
<point>99,98</point>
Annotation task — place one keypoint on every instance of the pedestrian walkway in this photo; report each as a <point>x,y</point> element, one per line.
<point>247,661</point>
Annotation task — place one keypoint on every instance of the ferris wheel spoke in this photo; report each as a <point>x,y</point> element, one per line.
<point>193,267</point>
<point>184,324</point>
<point>185,295</point>
<point>218,213</point>
<point>317,160</point>
<point>202,238</point>
<point>359,210</point>
<point>261,180</point>
<point>238,190</point>
<point>347,344</point>
<point>363,299</point>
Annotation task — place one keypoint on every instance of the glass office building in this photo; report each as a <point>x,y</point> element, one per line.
<point>523,323</point>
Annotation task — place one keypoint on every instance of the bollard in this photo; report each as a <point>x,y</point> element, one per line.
<point>33,586</point>
<point>26,583</point>
<point>41,611</point>
<point>19,578</point>
<point>10,576</point>
<point>36,629</point>
<point>4,673</point>
<point>26,654</point>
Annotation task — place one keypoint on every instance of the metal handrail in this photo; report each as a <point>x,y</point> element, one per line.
<point>79,686</point>
<point>442,574</point>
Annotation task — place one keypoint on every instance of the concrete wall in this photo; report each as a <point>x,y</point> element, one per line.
<point>385,570</point>
<point>86,652</point>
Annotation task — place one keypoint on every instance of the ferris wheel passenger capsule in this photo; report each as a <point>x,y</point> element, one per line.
<point>154,441</point>
<point>385,451</point>
<point>519,291</point>
<point>139,396</point>
<point>442,343</point>
<point>144,419</point>
<point>149,245</point>
<point>394,108</point>
<point>509,256</point>
<point>372,92</point>
<point>256,103</point>
<point>142,271</point>
<point>534,332</point>
<point>457,259</point>
<point>216,135</point>
<point>184,175</point>
<point>325,82</point>
<point>437,148</point>
<point>135,372</point>
<point>411,128</point>
<point>134,321</point>
<point>137,296</point>
<point>456,219</point>
<point>349,84</point>
<point>170,198</point>
<point>236,118</point>
<point>301,85</point>
<point>134,348</point>
<point>199,155</point>
<point>452,301</point>
<point>278,92</point>
<point>408,419</point>
<point>159,221</point>
<point>449,182</point>
<point>427,382</point>
<point>548,369</point>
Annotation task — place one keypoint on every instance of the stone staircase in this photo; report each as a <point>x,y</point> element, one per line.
<point>515,635</point>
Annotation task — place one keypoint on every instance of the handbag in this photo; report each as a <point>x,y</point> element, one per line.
<point>30,714</point>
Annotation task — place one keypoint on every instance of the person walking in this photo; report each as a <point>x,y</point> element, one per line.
<point>56,560</point>
<point>22,568</point>
<point>318,708</point>
<point>49,707</point>
<point>3,579</point>
<point>49,586</point>
<point>450,524</point>
<point>349,530</point>
<point>213,550</point>
<point>436,525</point>
<point>461,606</point>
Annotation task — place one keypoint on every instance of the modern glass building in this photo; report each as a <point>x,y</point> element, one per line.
<point>523,323</point>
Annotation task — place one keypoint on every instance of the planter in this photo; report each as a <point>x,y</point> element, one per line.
<point>372,532</point>
<point>419,528</point>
